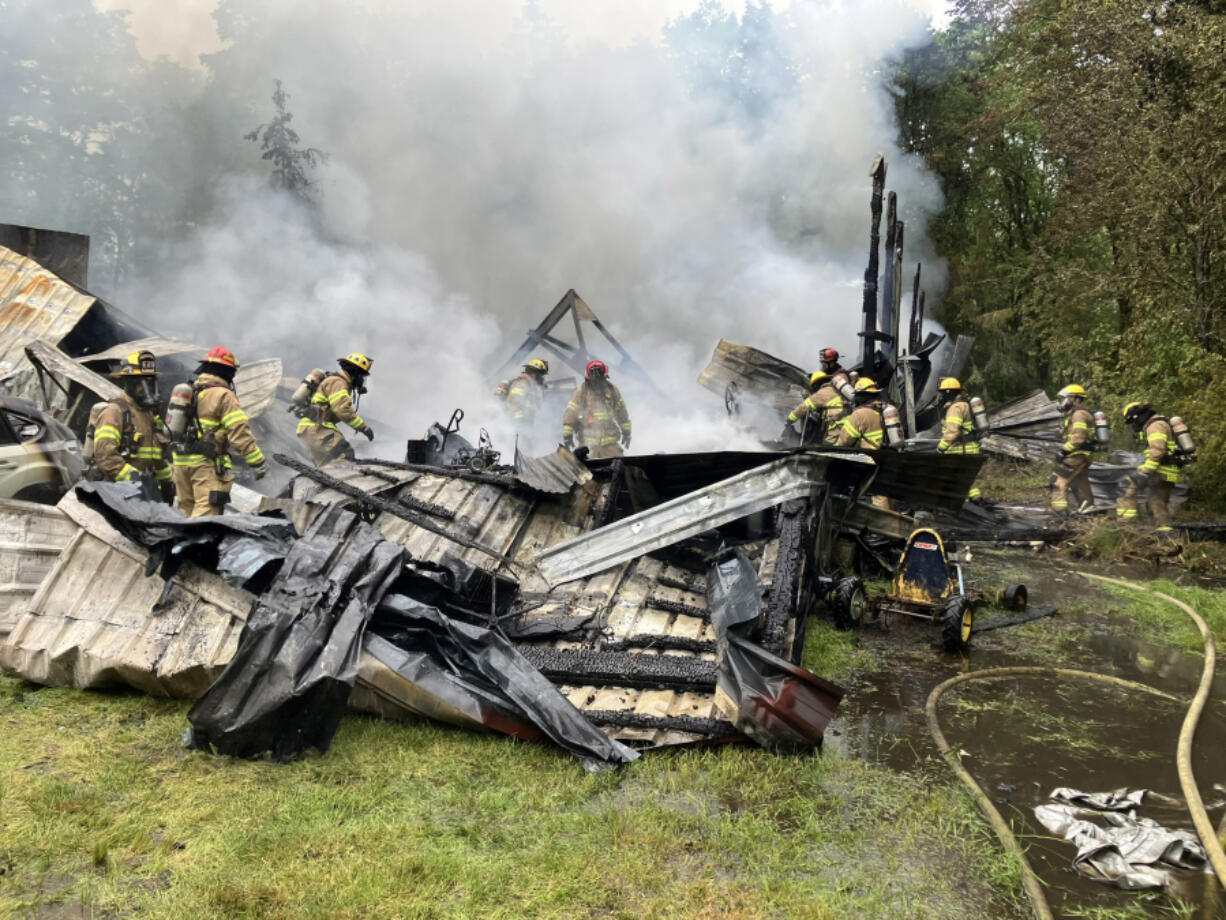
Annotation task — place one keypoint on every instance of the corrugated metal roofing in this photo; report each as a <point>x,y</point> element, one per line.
<point>34,304</point>
<point>32,536</point>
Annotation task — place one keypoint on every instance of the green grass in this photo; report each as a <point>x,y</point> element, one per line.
<point>101,805</point>
<point>1006,480</point>
<point>1162,620</point>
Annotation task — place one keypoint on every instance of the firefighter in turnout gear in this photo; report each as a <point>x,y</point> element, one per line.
<point>863,428</point>
<point>840,379</point>
<point>217,424</point>
<point>596,415</point>
<point>335,401</point>
<point>823,407</point>
<point>1073,469</point>
<point>129,436</point>
<point>958,429</point>
<point>525,396</point>
<point>1157,470</point>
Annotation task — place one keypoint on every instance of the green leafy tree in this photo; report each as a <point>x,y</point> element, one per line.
<point>280,144</point>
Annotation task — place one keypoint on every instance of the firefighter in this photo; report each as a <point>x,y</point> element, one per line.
<point>526,393</point>
<point>129,436</point>
<point>596,415</point>
<point>840,379</point>
<point>335,400</point>
<point>824,404</point>
<point>958,429</point>
<point>1073,467</point>
<point>217,424</point>
<point>1157,470</point>
<point>863,428</point>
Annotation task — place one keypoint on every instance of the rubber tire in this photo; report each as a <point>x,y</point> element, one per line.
<point>956,623</point>
<point>847,609</point>
<point>1015,597</point>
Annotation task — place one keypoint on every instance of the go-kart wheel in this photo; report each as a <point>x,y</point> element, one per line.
<point>1014,597</point>
<point>849,604</point>
<point>956,623</point>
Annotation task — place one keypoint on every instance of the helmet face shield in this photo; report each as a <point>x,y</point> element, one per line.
<point>143,390</point>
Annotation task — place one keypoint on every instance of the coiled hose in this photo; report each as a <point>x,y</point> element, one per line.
<point>1183,755</point>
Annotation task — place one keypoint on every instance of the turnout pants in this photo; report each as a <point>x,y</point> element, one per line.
<point>325,445</point>
<point>1159,502</point>
<point>193,485</point>
<point>1072,475</point>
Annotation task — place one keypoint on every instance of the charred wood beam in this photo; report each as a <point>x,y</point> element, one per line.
<point>663,643</point>
<point>507,481</point>
<point>689,610</point>
<point>368,502</point>
<point>665,582</point>
<point>620,669</point>
<point>691,725</point>
<point>608,504</point>
<point>413,504</point>
<point>869,329</point>
<point>792,530</point>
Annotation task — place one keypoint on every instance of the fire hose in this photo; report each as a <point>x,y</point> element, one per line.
<point>1210,839</point>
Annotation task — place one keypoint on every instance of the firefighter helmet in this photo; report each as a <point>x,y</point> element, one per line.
<point>537,364</point>
<point>221,355</point>
<point>950,383</point>
<point>597,369</point>
<point>1133,409</point>
<point>816,378</point>
<point>1073,389</point>
<point>358,361</point>
<point>136,364</point>
<point>828,355</point>
<point>866,385</point>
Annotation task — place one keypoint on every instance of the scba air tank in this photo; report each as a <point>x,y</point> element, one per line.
<point>178,414</point>
<point>1183,437</point>
<point>979,414</point>
<point>892,425</point>
<point>1102,428</point>
<point>95,412</point>
<point>310,383</point>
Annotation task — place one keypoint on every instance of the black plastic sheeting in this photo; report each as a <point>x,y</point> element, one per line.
<point>287,686</point>
<point>782,707</point>
<point>244,549</point>
<point>479,673</point>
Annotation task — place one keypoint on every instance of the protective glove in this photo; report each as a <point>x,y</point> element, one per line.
<point>568,441</point>
<point>1138,476</point>
<point>1064,452</point>
<point>260,470</point>
<point>626,440</point>
<point>369,432</point>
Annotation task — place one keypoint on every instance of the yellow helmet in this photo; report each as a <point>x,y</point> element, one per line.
<point>1133,408</point>
<point>866,385</point>
<point>817,377</point>
<point>1073,389</point>
<point>358,360</point>
<point>136,364</point>
<point>950,383</point>
<point>538,364</point>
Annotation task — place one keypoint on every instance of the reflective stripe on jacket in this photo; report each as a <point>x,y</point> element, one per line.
<point>863,429</point>
<point>222,420</point>
<point>1078,430</point>
<point>332,403</point>
<point>525,397</point>
<point>957,430</point>
<point>596,414</point>
<point>144,443</point>
<point>826,403</point>
<point>1159,449</point>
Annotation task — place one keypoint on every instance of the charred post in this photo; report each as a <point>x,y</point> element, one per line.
<point>886,298</point>
<point>869,331</point>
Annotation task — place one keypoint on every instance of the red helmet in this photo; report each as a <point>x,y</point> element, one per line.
<point>598,368</point>
<point>221,355</point>
<point>829,355</point>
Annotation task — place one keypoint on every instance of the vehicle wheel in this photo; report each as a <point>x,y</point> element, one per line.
<point>849,604</point>
<point>956,623</point>
<point>1014,597</point>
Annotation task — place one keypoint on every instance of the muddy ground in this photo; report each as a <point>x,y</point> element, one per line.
<point>1023,737</point>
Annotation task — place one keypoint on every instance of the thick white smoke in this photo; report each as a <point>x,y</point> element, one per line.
<point>710,182</point>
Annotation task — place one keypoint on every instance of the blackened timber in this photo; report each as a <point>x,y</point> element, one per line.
<point>869,330</point>
<point>886,300</point>
<point>414,504</point>
<point>608,504</point>
<point>661,643</point>
<point>377,503</point>
<point>915,335</point>
<point>689,610</point>
<point>489,479</point>
<point>690,725</point>
<point>792,531</point>
<point>622,669</point>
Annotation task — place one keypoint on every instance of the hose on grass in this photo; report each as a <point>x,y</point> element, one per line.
<point>1196,806</point>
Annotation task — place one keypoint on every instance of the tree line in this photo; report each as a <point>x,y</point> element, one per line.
<point>1081,148</point>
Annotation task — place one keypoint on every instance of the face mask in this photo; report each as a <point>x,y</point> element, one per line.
<point>145,392</point>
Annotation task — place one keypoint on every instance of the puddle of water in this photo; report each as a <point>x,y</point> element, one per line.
<point>1024,737</point>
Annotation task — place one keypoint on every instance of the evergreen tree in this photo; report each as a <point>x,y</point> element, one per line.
<point>280,145</point>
